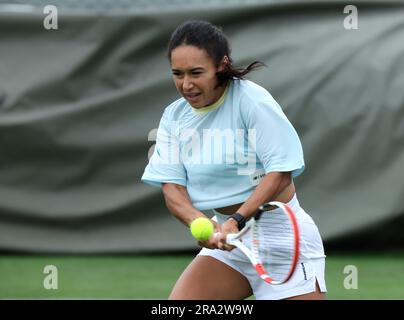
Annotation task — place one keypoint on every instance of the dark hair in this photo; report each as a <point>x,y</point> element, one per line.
<point>204,35</point>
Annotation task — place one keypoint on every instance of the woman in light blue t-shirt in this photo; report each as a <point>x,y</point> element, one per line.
<point>223,149</point>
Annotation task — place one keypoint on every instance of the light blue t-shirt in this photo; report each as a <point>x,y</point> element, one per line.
<point>220,152</point>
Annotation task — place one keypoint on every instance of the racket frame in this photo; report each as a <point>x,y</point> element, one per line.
<point>253,253</point>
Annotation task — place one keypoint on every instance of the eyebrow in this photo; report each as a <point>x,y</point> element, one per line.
<point>192,70</point>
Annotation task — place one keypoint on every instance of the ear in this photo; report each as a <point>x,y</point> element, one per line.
<point>225,62</point>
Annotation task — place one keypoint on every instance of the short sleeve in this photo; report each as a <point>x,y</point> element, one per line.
<point>165,165</point>
<point>277,143</point>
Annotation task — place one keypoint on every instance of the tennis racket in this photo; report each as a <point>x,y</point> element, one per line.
<point>270,240</point>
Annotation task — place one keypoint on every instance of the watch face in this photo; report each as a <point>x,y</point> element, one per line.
<point>240,217</point>
<point>236,217</point>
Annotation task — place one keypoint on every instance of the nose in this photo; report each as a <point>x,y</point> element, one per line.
<point>187,84</point>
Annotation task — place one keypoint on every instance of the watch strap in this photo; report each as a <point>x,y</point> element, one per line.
<point>241,220</point>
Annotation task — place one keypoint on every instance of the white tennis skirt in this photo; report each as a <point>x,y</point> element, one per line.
<point>310,269</point>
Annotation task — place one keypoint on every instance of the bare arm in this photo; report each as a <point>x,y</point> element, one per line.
<point>270,186</point>
<point>179,203</point>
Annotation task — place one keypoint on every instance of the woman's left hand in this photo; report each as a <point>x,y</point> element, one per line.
<point>230,226</point>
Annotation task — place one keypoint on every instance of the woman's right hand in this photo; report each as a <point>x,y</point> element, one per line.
<point>213,241</point>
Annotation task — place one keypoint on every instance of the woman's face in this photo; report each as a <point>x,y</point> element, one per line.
<point>194,74</point>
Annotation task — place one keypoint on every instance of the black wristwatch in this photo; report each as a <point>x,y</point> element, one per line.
<point>241,220</point>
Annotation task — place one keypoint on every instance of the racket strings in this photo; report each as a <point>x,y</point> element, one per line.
<point>276,244</point>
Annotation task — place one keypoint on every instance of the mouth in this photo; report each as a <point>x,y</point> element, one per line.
<point>192,97</point>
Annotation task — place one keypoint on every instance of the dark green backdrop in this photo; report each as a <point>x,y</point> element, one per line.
<point>77,106</point>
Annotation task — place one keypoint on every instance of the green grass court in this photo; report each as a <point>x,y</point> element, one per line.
<point>151,277</point>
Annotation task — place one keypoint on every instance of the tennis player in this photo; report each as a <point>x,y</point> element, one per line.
<point>222,150</point>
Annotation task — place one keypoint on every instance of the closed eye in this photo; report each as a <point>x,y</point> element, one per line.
<point>194,72</point>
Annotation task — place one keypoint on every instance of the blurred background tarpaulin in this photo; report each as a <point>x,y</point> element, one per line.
<point>80,101</point>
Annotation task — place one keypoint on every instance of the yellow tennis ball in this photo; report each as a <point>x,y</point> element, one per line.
<point>202,228</point>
